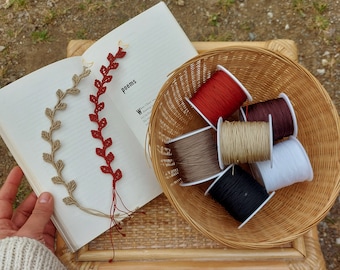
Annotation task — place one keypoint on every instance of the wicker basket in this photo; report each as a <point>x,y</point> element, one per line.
<point>293,210</point>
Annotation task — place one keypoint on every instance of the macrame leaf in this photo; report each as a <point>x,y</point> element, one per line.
<point>106,169</point>
<point>55,125</point>
<point>98,84</point>
<point>109,158</point>
<point>86,72</point>
<point>47,157</point>
<point>73,91</point>
<point>69,201</point>
<point>93,99</point>
<point>56,145</point>
<point>111,57</point>
<point>102,90</point>
<point>71,186</point>
<point>49,113</point>
<point>107,79</point>
<point>59,165</point>
<point>61,106</point>
<point>93,117</point>
<point>121,53</point>
<point>100,106</point>
<point>102,123</point>
<point>60,94</point>
<point>113,65</point>
<point>100,152</point>
<point>108,142</point>
<point>96,134</point>
<point>57,180</point>
<point>104,70</point>
<point>117,175</point>
<point>75,79</point>
<point>45,135</point>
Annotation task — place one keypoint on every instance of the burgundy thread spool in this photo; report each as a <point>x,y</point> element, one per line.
<point>283,115</point>
<point>195,155</point>
<point>220,96</point>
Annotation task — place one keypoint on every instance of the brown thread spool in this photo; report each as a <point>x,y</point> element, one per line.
<point>283,115</point>
<point>195,155</point>
<point>244,142</point>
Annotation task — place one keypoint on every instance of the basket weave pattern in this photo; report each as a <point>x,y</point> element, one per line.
<point>293,210</point>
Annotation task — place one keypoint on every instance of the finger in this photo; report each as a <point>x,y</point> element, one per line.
<point>49,236</point>
<point>41,214</point>
<point>24,210</point>
<point>9,191</point>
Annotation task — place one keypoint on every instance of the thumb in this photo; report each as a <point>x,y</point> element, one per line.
<point>41,214</point>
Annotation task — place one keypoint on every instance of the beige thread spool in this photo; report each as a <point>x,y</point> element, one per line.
<point>244,142</point>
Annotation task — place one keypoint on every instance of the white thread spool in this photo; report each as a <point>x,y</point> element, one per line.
<point>291,165</point>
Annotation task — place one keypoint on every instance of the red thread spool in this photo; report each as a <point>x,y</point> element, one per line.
<point>283,115</point>
<point>220,96</point>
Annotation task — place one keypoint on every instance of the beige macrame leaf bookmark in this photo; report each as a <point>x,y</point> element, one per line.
<point>56,144</point>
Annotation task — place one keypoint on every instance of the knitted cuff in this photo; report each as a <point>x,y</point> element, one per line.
<point>26,253</point>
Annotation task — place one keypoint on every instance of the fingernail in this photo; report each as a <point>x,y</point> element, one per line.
<point>44,198</point>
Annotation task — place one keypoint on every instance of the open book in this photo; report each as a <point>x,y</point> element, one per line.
<point>67,142</point>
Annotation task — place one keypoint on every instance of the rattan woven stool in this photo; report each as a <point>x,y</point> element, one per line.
<point>162,239</point>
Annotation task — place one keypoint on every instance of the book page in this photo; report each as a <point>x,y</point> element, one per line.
<point>22,119</point>
<point>155,46</point>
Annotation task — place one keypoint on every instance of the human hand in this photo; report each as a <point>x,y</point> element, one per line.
<point>31,218</point>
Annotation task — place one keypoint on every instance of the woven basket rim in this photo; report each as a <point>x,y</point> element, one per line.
<point>152,148</point>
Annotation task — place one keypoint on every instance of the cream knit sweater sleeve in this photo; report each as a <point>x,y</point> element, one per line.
<point>21,253</point>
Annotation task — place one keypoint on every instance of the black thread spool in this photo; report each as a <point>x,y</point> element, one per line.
<point>195,155</point>
<point>239,193</point>
<point>283,115</point>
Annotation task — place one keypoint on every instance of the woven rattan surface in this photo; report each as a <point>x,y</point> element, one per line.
<point>293,210</point>
<point>160,238</point>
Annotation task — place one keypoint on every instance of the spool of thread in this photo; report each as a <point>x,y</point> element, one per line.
<point>220,96</point>
<point>239,193</point>
<point>283,115</point>
<point>195,155</point>
<point>244,142</point>
<point>290,165</point>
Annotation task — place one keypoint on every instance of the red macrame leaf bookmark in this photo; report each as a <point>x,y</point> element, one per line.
<point>101,124</point>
